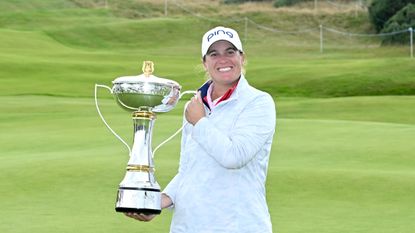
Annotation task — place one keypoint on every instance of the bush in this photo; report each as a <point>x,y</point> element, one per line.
<point>380,11</point>
<point>281,3</point>
<point>242,1</point>
<point>402,20</point>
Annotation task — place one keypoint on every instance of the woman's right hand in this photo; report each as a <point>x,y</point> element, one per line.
<point>165,203</point>
<point>140,217</point>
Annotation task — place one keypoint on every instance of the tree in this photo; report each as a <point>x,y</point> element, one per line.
<point>402,20</point>
<point>380,11</point>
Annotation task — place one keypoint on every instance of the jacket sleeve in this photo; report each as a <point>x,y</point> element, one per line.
<point>172,186</point>
<point>254,127</point>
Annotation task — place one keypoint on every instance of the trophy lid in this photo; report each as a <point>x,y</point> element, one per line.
<point>146,77</point>
<point>146,91</point>
<point>140,79</point>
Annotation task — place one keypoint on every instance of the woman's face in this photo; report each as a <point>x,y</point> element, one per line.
<point>224,63</point>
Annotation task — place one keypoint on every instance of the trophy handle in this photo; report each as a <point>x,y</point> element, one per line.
<point>179,130</point>
<point>103,119</point>
<point>187,92</point>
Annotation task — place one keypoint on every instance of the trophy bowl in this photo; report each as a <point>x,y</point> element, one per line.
<point>146,91</point>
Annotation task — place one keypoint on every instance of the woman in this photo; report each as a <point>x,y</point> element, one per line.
<point>225,148</point>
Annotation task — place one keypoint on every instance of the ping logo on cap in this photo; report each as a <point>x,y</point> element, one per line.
<point>220,33</point>
<point>230,34</point>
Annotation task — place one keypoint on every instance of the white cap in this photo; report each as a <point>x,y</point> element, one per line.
<point>220,33</point>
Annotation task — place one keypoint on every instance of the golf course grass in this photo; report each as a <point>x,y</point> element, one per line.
<point>343,156</point>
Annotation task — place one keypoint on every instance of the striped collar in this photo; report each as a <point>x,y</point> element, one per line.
<point>204,91</point>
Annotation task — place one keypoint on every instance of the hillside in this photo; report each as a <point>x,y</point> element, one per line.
<point>89,19</point>
<point>69,36</point>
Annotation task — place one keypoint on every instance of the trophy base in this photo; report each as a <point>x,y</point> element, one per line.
<point>137,200</point>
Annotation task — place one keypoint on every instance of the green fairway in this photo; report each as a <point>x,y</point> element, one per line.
<point>61,166</point>
<point>343,156</point>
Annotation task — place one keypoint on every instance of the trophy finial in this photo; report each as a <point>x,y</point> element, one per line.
<point>148,68</point>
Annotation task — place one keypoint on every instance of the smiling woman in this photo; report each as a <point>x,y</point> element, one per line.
<point>227,135</point>
<point>223,59</point>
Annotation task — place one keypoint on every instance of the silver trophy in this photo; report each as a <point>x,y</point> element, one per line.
<point>143,95</point>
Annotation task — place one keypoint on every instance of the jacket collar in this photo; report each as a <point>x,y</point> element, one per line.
<point>241,85</point>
